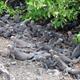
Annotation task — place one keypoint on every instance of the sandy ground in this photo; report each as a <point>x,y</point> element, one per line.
<point>26,70</point>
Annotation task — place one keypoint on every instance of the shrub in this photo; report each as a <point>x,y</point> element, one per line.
<point>8,9</point>
<point>5,8</point>
<point>59,11</point>
<point>62,10</point>
<point>76,38</point>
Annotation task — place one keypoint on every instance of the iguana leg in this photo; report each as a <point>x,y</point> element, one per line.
<point>13,56</point>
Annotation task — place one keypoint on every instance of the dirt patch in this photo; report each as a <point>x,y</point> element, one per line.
<point>3,46</point>
<point>27,70</point>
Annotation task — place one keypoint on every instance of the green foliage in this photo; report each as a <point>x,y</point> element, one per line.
<point>36,9</point>
<point>59,11</point>
<point>2,7</point>
<point>62,10</point>
<point>76,38</point>
<point>8,9</point>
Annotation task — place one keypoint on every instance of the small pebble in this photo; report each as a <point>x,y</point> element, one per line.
<point>13,63</point>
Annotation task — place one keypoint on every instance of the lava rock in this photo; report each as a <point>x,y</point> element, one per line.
<point>36,31</point>
<point>2,30</point>
<point>5,18</point>
<point>2,23</point>
<point>17,18</point>
<point>7,34</point>
<point>27,33</point>
<point>48,63</point>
